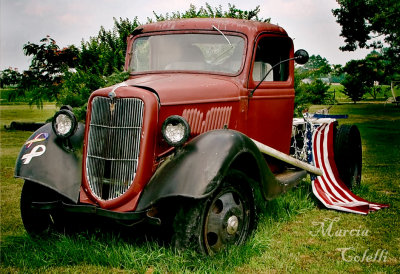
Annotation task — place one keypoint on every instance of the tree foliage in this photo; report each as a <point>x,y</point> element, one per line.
<point>209,12</point>
<point>48,64</point>
<point>356,81</point>
<point>48,60</point>
<point>354,88</point>
<point>361,76</point>
<point>368,23</point>
<point>104,54</point>
<point>317,67</point>
<point>10,77</point>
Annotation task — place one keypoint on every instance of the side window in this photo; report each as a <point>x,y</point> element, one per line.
<point>269,52</point>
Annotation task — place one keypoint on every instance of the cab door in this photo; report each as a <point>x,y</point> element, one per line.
<point>270,108</point>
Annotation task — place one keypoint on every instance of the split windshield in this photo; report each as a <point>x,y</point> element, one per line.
<point>188,52</point>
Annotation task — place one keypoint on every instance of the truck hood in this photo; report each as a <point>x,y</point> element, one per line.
<point>175,89</point>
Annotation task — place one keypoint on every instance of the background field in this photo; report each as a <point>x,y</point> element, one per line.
<point>288,237</point>
<point>336,91</point>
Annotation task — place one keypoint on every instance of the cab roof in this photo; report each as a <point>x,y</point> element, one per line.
<point>246,27</point>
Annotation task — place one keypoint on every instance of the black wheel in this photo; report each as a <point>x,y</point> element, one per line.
<point>37,222</point>
<point>348,154</point>
<point>226,218</point>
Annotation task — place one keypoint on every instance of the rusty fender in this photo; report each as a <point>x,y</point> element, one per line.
<point>198,168</point>
<point>50,161</point>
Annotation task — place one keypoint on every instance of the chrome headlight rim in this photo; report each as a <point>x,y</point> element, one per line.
<point>64,113</point>
<point>175,121</point>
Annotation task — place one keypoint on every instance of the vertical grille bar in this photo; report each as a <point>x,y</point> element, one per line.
<point>113,145</point>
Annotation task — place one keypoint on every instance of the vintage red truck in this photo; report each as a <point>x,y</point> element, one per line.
<point>176,142</point>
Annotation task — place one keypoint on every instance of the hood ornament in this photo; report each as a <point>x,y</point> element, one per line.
<point>112,93</point>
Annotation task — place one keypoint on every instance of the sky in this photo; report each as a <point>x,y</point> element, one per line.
<point>309,22</point>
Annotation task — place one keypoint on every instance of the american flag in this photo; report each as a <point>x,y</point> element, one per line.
<point>329,188</point>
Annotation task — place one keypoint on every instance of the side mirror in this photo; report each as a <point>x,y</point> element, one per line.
<point>301,56</point>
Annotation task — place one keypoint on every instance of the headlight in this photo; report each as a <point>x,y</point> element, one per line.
<point>175,130</point>
<point>64,123</point>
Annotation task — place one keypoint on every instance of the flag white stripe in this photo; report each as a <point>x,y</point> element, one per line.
<point>330,178</point>
<point>329,175</point>
<point>324,183</point>
<point>335,194</point>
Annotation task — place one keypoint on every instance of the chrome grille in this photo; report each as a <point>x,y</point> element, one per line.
<point>113,145</point>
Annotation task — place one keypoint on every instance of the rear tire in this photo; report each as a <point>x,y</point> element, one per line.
<point>348,154</point>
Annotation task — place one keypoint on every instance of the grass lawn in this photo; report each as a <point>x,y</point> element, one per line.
<point>294,235</point>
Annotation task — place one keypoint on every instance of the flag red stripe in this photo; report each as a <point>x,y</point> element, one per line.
<point>328,180</point>
<point>331,171</point>
<point>329,188</point>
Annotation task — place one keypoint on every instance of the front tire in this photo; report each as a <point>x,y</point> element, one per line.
<point>225,218</point>
<point>36,222</point>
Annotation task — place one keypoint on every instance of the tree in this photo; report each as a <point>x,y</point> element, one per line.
<point>366,24</point>
<point>357,80</point>
<point>48,61</point>
<point>353,88</point>
<point>10,77</point>
<point>317,67</point>
<point>362,76</point>
<point>376,69</point>
<point>104,54</point>
<point>48,64</point>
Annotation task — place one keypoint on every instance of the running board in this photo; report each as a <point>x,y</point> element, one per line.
<point>290,177</point>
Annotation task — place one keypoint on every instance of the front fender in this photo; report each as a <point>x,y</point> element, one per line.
<point>44,159</point>
<point>197,169</point>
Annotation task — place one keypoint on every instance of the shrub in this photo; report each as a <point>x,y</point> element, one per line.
<point>315,93</point>
<point>77,87</point>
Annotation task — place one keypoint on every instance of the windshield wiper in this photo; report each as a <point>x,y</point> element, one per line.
<point>229,42</point>
<point>220,56</point>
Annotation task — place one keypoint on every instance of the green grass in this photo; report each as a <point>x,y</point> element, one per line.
<point>286,239</point>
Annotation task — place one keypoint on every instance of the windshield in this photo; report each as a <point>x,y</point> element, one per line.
<point>188,52</point>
